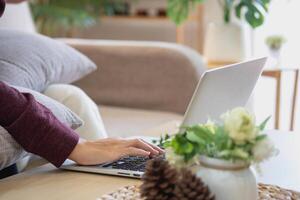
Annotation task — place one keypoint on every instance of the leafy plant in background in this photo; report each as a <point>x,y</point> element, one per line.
<point>253,11</point>
<point>52,16</point>
<point>236,138</point>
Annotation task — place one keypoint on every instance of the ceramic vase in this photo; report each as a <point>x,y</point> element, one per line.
<point>226,42</point>
<point>274,58</point>
<point>228,180</point>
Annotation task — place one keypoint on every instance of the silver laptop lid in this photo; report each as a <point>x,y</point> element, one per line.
<point>222,89</point>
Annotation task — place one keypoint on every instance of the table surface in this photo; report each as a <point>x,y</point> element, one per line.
<point>46,182</point>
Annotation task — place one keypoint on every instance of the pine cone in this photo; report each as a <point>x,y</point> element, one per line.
<point>159,181</point>
<point>190,187</point>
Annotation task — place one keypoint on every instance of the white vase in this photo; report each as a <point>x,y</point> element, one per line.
<point>228,180</point>
<point>227,43</point>
<point>274,58</point>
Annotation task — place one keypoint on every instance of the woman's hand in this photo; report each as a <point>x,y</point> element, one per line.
<point>108,150</point>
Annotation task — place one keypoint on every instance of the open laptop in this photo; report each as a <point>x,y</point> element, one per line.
<point>218,91</point>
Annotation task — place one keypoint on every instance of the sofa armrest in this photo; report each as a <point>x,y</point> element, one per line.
<point>148,75</point>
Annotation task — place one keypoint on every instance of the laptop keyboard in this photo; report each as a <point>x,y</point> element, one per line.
<point>132,163</point>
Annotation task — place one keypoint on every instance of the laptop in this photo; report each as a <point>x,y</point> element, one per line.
<point>218,91</point>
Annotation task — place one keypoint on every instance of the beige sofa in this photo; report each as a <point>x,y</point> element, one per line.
<point>139,85</point>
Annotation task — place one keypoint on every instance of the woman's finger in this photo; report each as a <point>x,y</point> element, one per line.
<point>145,146</point>
<point>161,151</point>
<point>132,151</point>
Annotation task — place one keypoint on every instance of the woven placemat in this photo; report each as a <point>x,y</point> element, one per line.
<point>273,192</point>
<point>266,192</point>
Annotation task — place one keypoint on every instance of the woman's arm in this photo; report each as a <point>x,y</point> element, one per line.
<point>34,127</point>
<point>38,131</point>
<point>2,7</point>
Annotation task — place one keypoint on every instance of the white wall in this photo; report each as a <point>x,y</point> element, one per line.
<point>283,19</point>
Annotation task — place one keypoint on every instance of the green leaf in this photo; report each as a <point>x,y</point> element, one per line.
<point>193,137</point>
<point>239,153</point>
<point>260,137</point>
<point>254,17</point>
<point>235,154</point>
<point>252,11</point>
<point>222,140</point>
<point>264,4</point>
<point>262,126</point>
<point>199,134</point>
<point>238,9</point>
<point>178,10</point>
<point>227,10</point>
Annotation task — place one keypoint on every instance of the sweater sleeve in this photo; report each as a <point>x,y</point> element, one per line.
<point>34,127</point>
<point>2,7</point>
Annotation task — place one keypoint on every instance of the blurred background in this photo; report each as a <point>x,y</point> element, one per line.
<point>222,31</point>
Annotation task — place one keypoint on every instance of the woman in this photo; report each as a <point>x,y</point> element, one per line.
<point>38,131</point>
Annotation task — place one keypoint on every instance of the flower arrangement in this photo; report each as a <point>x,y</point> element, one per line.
<point>236,138</point>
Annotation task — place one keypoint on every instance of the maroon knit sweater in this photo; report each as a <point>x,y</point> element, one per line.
<point>34,127</point>
<point>2,7</point>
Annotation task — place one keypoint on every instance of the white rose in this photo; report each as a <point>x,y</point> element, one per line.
<point>240,125</point>
<point>263,150</point>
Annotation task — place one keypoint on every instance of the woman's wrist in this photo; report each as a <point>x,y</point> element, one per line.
<point>77,153</point>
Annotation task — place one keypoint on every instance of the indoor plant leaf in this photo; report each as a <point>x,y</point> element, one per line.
<point>262,126</point>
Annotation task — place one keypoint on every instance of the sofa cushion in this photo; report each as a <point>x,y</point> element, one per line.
<point>61,112</point>
<point>35,61</point>
<point>10,150</point>
<point>127,122</point>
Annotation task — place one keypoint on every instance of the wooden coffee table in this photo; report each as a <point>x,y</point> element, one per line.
<point>46,182</point>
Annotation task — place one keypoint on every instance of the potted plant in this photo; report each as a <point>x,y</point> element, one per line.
<point>227,40</point>
<point>223,153</point>
<point>275,43</point>
<point>62,17</point>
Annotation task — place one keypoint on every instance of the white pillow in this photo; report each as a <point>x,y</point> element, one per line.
<point>35,61</point>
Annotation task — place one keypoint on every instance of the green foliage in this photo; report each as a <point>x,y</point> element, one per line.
<point>55,15</point>
<point>178,10</point>
<point>253,11</point>
<point>200,140</point>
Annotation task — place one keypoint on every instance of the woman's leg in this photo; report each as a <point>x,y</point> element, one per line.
<point>78,101</point>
